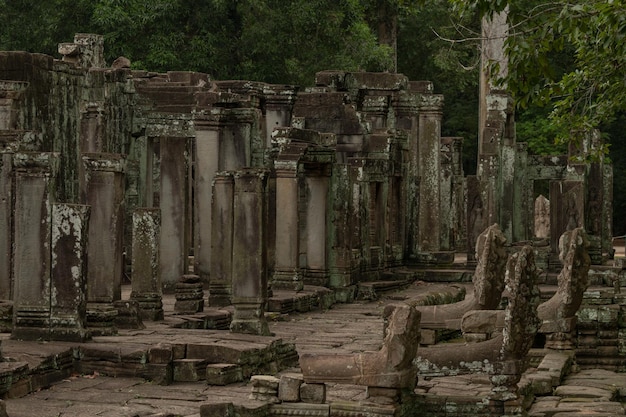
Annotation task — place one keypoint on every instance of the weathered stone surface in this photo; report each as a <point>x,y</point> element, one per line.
<point>488,280</point>
<point>145,264</point>
<point>223,374</point>
<point>289,388</point>
<point>573,281</point>
<point>390,367</point>
<point>313,393</point>
<point>69,272</point>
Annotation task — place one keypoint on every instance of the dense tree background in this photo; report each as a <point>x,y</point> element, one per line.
<point>567,58</point>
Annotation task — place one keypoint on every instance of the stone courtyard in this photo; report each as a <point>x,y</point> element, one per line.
<point>174,245</point>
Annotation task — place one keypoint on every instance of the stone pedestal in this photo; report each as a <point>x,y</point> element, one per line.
<point>35,175</point>
<point>222,240</point>
<point>145,271</point>
<point>249,273</point>
<point>69,272</point>
<point>189,295</point>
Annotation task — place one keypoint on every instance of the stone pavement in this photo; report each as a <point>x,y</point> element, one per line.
<point>345,328</point>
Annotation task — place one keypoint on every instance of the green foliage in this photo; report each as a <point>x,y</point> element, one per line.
<point>426,52</point>
<point>534,127</point>
<point>590,34</point>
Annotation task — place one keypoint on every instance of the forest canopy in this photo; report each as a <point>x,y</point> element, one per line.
<point>566,58</point>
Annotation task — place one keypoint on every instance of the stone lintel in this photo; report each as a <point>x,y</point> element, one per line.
<point>12,89</point>
<point>170,125</point>
<point>431,104</point>
<point>45,162</point>
<point>107,162</point>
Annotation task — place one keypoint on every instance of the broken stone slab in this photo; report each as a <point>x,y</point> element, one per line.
<point>313,393</point>
<point>223,374</point>
<point>265,388</point>
<point>189,370</point>
<point>289,388</point>
<point>217,410</point>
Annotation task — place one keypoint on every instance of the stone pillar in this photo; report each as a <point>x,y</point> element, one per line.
<point>223,143</point>
<point>567,203</point>
<point>6,221</point>
<point>287,273</point>
<point>35,175</point>
<point>68,312</point>
<point>92,128</point>
<point>104,191</point>
<point>446,178</point>
<point>316,220</point>
<point>407,119</point>
<point>206,166</point>
<point>542,217</point>
<point>429,169</point>
<point>174,243</point>
<point>222,240</point>
<point>340,228</point>
<point>249,273</point>
<point>145,264</point>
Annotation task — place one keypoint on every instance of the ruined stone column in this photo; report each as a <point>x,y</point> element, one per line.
<point>446,178</point>
<point>174,243</point>
<point>316,219</point>
<point>206,166</point>
<point>92,128</point>
<point>222,240</point>
<point>104,192</point>
<point>429,169</point>
<point>407,119</point>
<point>287,273</point>
<point>223,143</point>
<point>340,229</point>
<point>249,272</point>
<point>68,309</point>
<point>6,221</point>
<point>35,175</point>
<point>145,265</point>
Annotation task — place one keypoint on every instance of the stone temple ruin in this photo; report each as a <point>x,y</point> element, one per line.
<point>169,226</point>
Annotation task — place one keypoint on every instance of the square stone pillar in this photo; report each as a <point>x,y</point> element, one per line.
<point>35,175</point>
<point>206,167</point>
<point>68,309</point>
<point>6,221</point>
<point>222,240</point>
<point>249,271</point>
<point>430,113</point>
<point>92,125</point>
<point>287,273</point>
<point>145,265</point>
<point>104,192</point>
<point>316,220</point>
<point>340,228</point>
<point>174,207</point>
